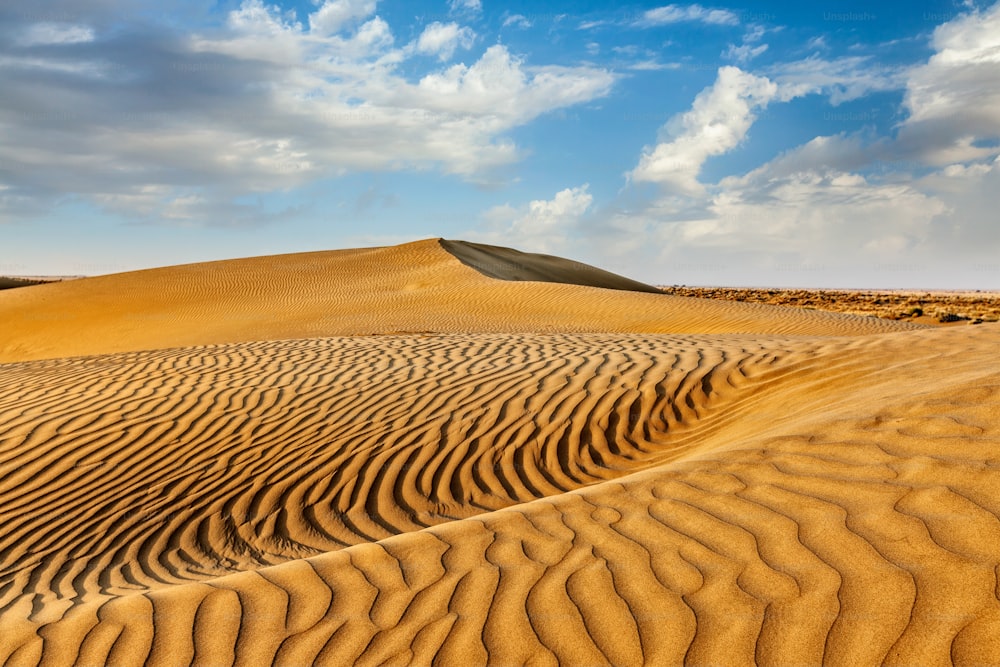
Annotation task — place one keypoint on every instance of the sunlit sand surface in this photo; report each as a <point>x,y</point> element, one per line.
<point>414,288</point>
<point>456,454</point>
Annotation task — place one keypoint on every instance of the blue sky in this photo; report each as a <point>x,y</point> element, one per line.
<point>843,144</point>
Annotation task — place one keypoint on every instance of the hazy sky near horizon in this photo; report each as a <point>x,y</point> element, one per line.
<point>840,144</point>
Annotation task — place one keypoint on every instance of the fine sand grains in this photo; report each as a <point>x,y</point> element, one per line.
<point>813,490</point>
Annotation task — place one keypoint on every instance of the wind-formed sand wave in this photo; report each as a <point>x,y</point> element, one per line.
<point>508,497</point>
<point>178,465</point>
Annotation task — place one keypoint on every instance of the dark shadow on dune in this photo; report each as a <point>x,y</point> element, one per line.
<point>509,264</point>
<point>11,283</point>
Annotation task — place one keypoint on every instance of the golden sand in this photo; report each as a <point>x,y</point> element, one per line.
<point>413,288</point>
<point>534,472</point>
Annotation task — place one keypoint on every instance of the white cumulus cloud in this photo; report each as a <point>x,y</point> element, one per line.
<point>543,225</point>
<point>333,15</point>
<point>954,99</point>
<point>716,123</point>
<point>441,39</point>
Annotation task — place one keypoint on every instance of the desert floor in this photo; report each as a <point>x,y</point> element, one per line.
<point>455,454</point>
<point>923,306</point>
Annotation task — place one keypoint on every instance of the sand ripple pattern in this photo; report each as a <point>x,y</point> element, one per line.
<point>601,499</point>
<point>134,471</point>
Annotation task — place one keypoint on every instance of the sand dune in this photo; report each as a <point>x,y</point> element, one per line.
<point>485,497</point>
<point>412,288</point>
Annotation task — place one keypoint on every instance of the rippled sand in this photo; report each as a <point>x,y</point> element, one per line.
<point>442,452</point>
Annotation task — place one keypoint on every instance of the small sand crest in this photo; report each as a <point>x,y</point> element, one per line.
<point>509,264</point>
<point>581,499</point>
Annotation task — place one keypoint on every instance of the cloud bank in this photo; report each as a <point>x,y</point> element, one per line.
<point>152,122</point>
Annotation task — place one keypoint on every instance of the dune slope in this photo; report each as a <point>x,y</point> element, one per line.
<point>412,288</point>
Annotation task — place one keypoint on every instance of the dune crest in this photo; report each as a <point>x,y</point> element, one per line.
<point>411,288</point>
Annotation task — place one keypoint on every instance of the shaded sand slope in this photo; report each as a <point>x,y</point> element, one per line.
<point>10,283</point>
<point>582,499</point>
<point>416,287</point>
<point>509,264</point>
